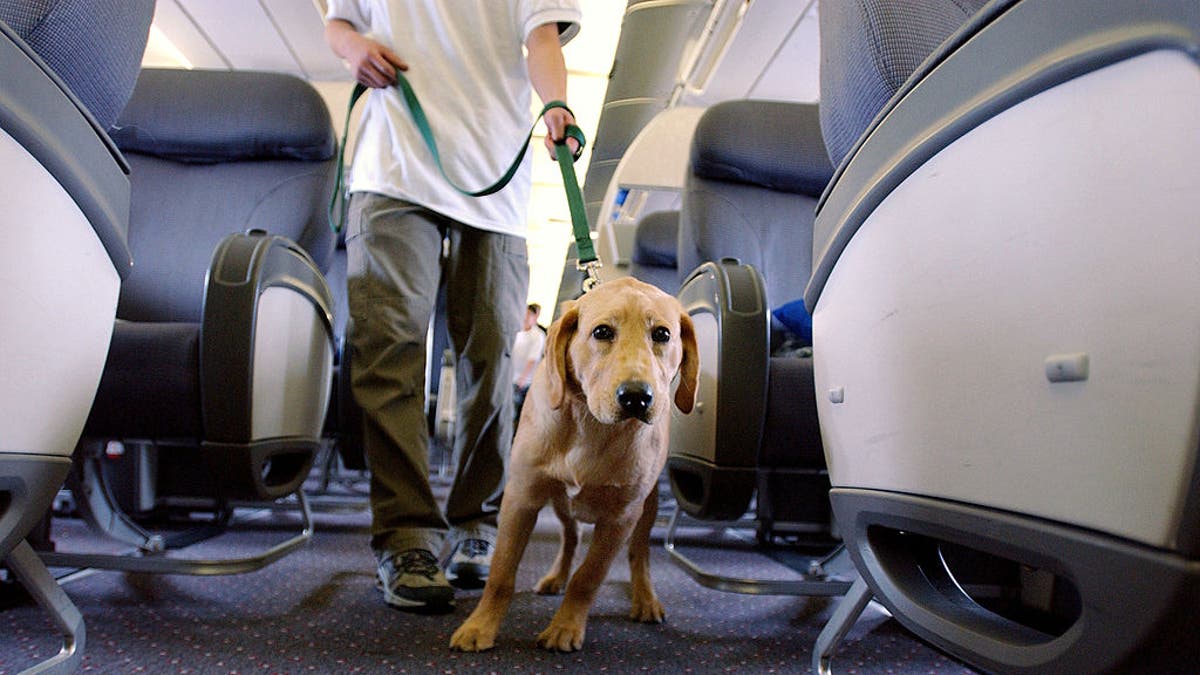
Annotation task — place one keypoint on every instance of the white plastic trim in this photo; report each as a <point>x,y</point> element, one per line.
<point>1066,224</point>
<point>58,300</point>
<point>293,367</point>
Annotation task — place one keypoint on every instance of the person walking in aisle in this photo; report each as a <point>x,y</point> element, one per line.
<point>474,65</point>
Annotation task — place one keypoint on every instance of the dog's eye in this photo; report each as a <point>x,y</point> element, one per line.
<point>661,334</point>
<point>603,332</point>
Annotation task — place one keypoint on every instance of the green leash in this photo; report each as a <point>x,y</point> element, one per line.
<point>588,262</point>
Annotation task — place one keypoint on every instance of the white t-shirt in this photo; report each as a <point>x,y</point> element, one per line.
<point>467,67</point>
<point>527,348</point>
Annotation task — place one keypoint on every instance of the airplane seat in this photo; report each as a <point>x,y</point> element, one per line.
<point>655,250</point>
<point>755,173</point>
<point>1004,318</point>
<point>857,83</point>
<point>63,254</point>
<point>744,241</point>
<point>220,371</point>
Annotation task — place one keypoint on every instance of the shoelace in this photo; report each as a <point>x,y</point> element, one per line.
<point>473,548</point>
<point>418,561</point>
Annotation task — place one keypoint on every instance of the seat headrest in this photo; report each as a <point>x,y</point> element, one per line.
<point>773,144</point>
<point>209,116</point>
<point>94,47</point>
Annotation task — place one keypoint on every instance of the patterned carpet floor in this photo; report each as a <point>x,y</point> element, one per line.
<point>318,611</point>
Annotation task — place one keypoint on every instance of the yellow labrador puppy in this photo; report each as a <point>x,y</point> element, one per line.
<point>592,440</point>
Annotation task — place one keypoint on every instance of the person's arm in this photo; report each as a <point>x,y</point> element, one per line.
<point>372,63</point>
<point>548,74</point>
<point>535,356</point>
<point>526,376</point>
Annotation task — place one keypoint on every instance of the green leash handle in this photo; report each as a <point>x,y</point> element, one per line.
<point>566,160</point>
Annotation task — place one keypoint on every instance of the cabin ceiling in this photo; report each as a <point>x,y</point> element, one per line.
<point>275,35</point>
<point>772,54</point>
<point>287,36</point>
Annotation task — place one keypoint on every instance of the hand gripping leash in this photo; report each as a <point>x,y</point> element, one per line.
<point>588,262</point>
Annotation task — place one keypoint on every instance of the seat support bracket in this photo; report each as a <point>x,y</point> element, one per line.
<point>140,561</point>
<point>817,582</point>
<point>40,584</point>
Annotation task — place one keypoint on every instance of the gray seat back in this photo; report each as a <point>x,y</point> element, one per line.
<point>213,153</point>
<point>757,169</point>
<point>655,250</point>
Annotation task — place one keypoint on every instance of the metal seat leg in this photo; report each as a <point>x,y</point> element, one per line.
<point>38,581</point>
<point>158,562</point>
<point>848,610</point>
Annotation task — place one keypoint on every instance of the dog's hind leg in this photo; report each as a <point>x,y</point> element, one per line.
<point>556,579</point>
<point>646,607</point>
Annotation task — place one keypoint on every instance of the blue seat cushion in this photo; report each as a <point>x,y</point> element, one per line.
<point>795,317</point>
<point>656,242</point>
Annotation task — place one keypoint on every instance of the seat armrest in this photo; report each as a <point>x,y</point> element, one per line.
<point>244,266</point>
<point>266,363</point>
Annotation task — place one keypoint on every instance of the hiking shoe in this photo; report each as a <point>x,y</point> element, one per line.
<point>470,564</point>
<point>413,580</point>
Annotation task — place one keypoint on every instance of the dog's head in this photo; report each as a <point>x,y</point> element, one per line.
<point>623,343</point>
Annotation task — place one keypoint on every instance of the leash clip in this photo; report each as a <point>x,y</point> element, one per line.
<point>591,273</point>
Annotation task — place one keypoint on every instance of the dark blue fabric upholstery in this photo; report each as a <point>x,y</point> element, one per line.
<point>655,250</point>
<point>24,15</point>
<point>656,240</point>
<point>209,116</point>
<point>770,144</point>
<point>868,49</point>
<point>95,47</point>
<point>160,397</point>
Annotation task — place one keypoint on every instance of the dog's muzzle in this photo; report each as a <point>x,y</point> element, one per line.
<point>636,399</point>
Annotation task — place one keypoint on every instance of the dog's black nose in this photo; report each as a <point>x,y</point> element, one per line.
<point>635,399</point>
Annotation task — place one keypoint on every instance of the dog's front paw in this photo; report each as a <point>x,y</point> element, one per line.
<point>561,637</point>
<point>472,636</point>
<point>647,610</point>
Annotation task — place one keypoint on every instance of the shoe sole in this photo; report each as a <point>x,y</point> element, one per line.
<point>409,604</point>
<point>467,575</point>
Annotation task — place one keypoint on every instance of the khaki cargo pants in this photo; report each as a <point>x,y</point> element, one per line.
<point>395,261</point>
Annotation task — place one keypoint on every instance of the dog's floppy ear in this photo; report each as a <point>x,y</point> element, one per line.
<point>689,368</point>
<point>557,341</point>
